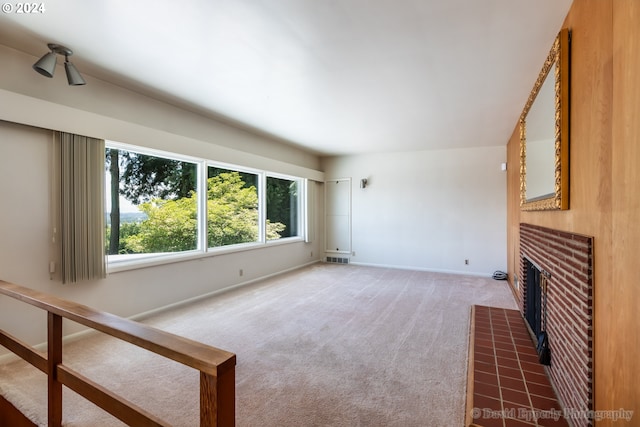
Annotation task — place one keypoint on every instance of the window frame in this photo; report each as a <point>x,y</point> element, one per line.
<point>301,207</point>
<point>233,248</point>
<point>134,261</point>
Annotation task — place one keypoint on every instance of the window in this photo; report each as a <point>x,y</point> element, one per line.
<point>283,208</point>
<point>155,205</point>
<point>232,207</point>
<point>151,203</point>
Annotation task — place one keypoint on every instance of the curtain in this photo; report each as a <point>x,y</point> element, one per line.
<point>80,219</point>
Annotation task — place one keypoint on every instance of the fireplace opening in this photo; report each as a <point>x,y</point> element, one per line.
<point>533,298</point>
<point>536,307</point>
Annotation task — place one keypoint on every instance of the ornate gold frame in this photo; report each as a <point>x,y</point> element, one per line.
<point>559,56</point>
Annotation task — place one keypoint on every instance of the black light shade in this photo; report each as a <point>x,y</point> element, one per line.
<point>46,65</point>
<point>73,76</point>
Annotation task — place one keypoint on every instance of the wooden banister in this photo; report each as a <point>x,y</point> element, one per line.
<point>23,350</point>
<point>217,367</point>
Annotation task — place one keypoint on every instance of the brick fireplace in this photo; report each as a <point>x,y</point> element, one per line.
<point>566,260</point>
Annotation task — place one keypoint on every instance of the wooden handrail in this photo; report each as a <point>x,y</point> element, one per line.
<point>217,367</point>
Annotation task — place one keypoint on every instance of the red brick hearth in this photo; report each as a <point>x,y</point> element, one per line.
<point>507,386</point>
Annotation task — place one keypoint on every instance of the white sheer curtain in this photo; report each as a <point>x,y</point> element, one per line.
<point>80,214</point>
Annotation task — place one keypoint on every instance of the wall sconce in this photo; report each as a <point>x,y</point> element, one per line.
<point>47,64</point>
<point>363,183</point>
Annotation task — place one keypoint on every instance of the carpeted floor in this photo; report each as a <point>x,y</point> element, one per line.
<point>326,345</point>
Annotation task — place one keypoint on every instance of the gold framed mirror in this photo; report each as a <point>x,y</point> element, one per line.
<point>544,134</point>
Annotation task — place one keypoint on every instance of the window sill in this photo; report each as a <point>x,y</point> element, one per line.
<point>134,262</point>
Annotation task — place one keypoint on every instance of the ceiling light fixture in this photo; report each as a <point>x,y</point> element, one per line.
<point>47,64</point>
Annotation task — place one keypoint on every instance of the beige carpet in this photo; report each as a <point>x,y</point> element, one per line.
<point>327,345</point>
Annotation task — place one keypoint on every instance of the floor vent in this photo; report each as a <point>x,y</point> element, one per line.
<point>337,260</point>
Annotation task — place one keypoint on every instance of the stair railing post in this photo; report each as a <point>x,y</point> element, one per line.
<point>218,399</point>
<point>54,358</point>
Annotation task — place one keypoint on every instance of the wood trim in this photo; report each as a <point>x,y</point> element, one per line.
<point>120,408</point>
<point>23,350</point>
<point>468,419</point>
<point>12,417</point>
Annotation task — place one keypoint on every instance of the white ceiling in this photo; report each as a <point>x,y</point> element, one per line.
<point>333,76</point>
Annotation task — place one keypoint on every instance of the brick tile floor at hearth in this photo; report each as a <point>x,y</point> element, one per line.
<point>510,386</point>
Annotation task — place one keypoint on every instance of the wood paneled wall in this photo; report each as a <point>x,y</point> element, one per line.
<point>604,188</point>
<point>619,328</point>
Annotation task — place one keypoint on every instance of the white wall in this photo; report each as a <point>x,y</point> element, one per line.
<point>429,209</point>
<point>111,112</point>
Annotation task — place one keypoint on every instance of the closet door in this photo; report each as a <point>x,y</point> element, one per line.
<point>338,215</point>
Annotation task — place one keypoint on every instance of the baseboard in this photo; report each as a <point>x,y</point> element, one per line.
<point>187,301</point>
<point>414,268</point>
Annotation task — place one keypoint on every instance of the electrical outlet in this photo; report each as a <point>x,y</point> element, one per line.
<point>311,254</point>
<point>466,262</point>
<point>241,272</point>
